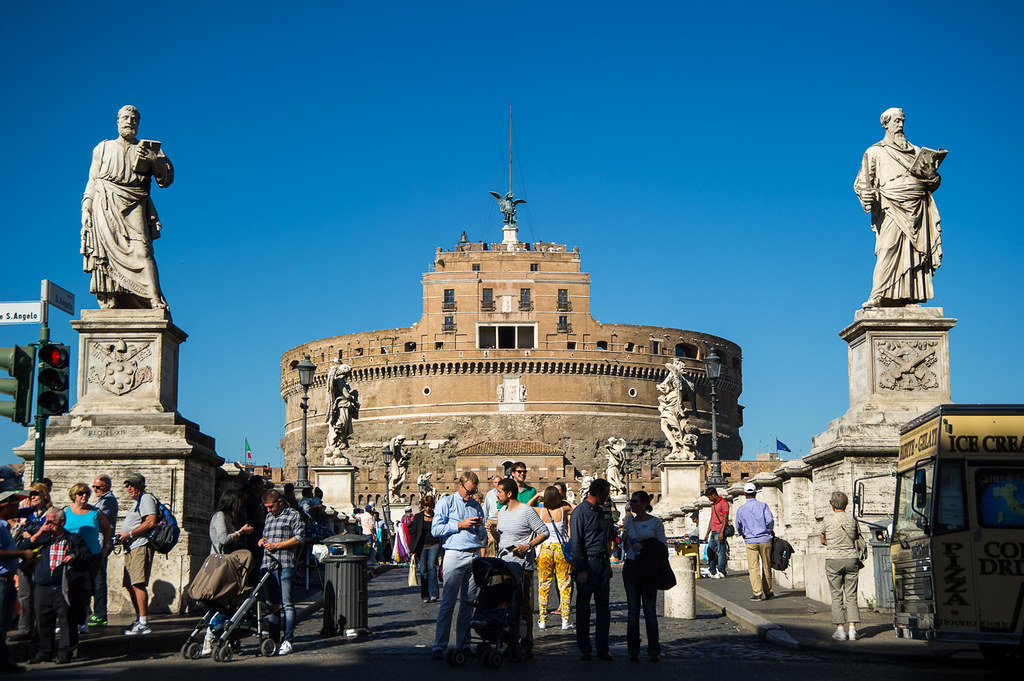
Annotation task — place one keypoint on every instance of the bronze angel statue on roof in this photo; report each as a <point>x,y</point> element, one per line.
<point>508,206</point>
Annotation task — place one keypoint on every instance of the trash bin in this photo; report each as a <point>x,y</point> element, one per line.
<point>345,592</point>
<point>882,559</point>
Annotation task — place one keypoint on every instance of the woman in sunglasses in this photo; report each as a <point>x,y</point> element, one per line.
<point>34,514</point>
<point>85,520</point>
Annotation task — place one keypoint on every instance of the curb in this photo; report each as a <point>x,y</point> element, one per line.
<point>765,629</point>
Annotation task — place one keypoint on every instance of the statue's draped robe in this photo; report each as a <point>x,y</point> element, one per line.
<point>118,249</point>
<point>908,245</point>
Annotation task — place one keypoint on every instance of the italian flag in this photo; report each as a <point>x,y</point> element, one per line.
<point>248,451</point>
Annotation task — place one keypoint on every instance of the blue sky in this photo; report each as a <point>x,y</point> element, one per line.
<point>701,157</point>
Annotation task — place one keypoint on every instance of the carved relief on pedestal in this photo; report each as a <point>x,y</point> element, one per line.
<point>117,368</point>
<point>907,364</point>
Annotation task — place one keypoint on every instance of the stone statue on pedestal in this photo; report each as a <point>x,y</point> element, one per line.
<point>507,204</point>
<point>426,487</point>
<point>119,220</point>
<point>688,447</point>
<point>676,391</point>
<point>397,468</point>
<point>615,473</point>
<point>895,186</point>
<point>585,480</point>
<point>343,408</point>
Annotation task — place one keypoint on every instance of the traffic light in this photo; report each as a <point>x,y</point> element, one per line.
<point>54,366</point>
<point>19,363</point>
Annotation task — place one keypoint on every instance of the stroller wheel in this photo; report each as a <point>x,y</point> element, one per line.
<point>268,648</point>
<point>457,657</point>
<point>493,659</point>
<point>225,654</point>
<point>191,651</point>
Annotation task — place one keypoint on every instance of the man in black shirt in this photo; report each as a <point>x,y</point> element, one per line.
<point>589,532</point>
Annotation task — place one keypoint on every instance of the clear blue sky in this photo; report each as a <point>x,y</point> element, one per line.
<point>702,157</point>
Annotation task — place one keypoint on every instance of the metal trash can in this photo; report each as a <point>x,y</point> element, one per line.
<point>345,591</point>
<point>882,559</point>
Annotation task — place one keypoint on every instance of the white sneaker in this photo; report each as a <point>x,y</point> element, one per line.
<point>853,633</point>
<point>839,634</point>
<point>566,624</point>
<point>542,624</point>
<point>138,629</point>
<point>718,575</point>
<point>285,648</point>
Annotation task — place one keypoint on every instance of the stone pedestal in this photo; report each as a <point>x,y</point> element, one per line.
<point>680,490</point>
<point>898,364</point>
<point>125,421</point>
<point>338,484</point>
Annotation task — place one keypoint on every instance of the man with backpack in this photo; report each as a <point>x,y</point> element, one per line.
<point>142,516</point>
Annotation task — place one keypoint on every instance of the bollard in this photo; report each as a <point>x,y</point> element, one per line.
<point>681,600</point>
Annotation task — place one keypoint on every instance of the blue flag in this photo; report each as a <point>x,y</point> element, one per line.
<point>780,446</point>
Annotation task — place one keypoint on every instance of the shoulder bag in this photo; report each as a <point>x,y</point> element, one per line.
<point>729,530</point>
<point>566,546</point>
<point>858,543</point>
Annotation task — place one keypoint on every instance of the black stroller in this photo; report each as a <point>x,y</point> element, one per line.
<point>234,610</point>
<point>497,614</point>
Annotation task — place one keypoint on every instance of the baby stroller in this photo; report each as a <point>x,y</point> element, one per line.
<point>497,614</point>
<point>234,610</point>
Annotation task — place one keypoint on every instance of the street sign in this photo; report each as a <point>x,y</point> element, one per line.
<point>21,313</point>
<point>58,297</point>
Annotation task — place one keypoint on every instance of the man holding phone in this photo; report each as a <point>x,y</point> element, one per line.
<point>459,524</point>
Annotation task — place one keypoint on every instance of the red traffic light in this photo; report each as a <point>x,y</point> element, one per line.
<point>55,355</point>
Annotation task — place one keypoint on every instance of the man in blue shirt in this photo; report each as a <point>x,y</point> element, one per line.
<point>9,559</point>
<point>459,524</point>
<point>755,523</point>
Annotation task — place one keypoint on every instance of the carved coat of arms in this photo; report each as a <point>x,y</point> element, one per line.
<point>908,364</point>
<point>118,370</point>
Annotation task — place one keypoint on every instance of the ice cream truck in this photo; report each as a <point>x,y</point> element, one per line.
<point>957,540</point>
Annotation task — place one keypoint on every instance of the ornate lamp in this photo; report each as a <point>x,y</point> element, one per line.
<point>306,370</point>
<point>713,367</point>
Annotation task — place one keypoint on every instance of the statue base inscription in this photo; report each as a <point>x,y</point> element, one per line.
<point>125,421</point>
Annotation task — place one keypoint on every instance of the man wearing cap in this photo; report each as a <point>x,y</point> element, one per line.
<point>9,559</point>
<point>755,523</point>
<point>138,558</point>
<point>715,535</point>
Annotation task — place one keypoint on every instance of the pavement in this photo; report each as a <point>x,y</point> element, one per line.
<point>169,633</point>
<point>796,626</point>
<point>792,620</point>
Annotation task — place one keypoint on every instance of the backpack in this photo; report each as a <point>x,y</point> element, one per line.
<point>782,551</point>
<point>164,535</point>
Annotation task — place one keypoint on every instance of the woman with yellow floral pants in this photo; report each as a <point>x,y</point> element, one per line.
<point>551,562</point>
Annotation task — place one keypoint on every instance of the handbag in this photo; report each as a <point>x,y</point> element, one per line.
<point>413,572</point>
<point>729,530</point>
<point>566,546</point>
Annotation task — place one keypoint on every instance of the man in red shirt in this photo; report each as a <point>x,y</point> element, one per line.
<point>715,536</point>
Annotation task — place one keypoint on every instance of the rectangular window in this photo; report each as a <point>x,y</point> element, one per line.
<point>524,295</point>
<point>476,267</point>
<point>449,295</point>
<point>439,345</point>
<point>449,324</point>
<point>655,347</point>
<point>506,337</point>
<point>570,345</point>
<point>488,295</point>
<point>534,267</point>
<point>488,338</point>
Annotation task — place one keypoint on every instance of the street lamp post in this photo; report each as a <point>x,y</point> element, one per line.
<point>306,369</point>
<point>389,456</point>
<point>713,364</point>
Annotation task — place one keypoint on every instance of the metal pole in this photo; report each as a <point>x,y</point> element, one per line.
<point>716,479</point>
<point>303,476</point>
<point>39,461</point>
<point>388,457</point>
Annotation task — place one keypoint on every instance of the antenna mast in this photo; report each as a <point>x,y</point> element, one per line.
<point>510,147</point>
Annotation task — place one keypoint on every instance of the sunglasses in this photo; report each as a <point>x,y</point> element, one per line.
<point>35,494</point>
<point>83,492</point>
<point>98,487</point>
<point>519,470</point>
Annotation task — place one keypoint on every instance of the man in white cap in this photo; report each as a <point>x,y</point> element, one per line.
<point>756,524</point>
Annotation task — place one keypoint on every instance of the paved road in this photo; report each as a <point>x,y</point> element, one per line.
<point>403,631</point>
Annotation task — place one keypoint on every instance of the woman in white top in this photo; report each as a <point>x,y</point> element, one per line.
<point>551,563</point>
<point>638,528</point>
